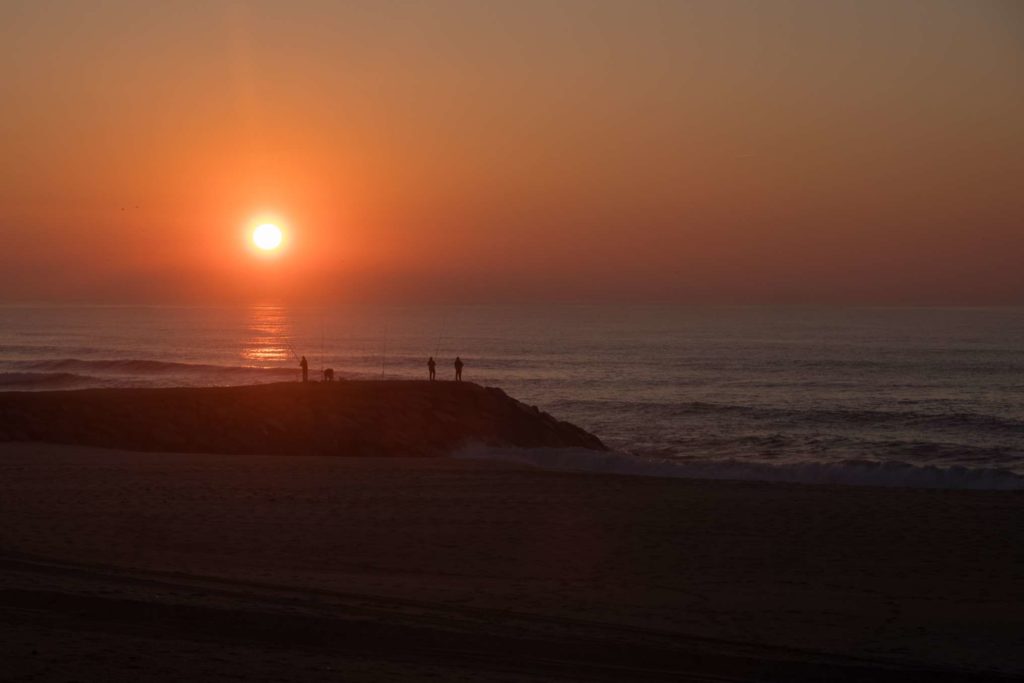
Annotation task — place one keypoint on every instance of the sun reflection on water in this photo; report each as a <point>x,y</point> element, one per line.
<point>268,336</point>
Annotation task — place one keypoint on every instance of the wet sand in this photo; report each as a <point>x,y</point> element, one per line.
<point>143,566</point>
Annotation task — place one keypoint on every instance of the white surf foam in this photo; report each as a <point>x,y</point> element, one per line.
<point>850,472</point>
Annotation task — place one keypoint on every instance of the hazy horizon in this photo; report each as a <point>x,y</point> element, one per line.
<point>706,153</point>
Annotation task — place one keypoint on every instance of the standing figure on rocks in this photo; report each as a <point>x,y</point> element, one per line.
<point>432,367</point>
<point>458,369</point>
<point>304,364</point>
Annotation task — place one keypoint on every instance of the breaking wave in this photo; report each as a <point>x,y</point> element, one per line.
<point>949,420</point>
<point>73,373</point>
<point>847,472</point>
<point>140,367</point>
<point>46,380</point>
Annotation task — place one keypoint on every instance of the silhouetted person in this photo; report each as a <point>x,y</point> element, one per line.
<point>304,364</point>
<point>458,369</point>
<point>432,367</point>
<point>329,375</point>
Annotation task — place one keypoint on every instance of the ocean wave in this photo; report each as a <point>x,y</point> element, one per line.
<point>991,361</point>
<point>951,420</point>
<point>143,367</point>
<point>46,380</point>
<point>74,373</point>
<point>846,472</point>
<point>828,446</point>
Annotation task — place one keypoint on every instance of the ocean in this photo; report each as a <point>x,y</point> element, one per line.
<point>928,397</point>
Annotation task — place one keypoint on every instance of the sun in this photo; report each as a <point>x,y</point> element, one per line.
<point>267,237</point>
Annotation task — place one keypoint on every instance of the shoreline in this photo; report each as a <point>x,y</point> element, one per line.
<point>660,578</point>
<point>857,473</point>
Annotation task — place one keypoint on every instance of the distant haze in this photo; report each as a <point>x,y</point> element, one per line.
<point>703,152</point>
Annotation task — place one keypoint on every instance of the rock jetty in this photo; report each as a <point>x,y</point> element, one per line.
<point>347,418</point>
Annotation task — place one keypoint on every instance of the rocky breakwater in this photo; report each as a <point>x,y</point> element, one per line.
<point>348,418</point>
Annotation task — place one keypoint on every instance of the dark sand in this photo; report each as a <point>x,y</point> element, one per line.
<point>120,566</point>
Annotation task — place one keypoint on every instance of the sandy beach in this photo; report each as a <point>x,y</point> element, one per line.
<point>140,566</point>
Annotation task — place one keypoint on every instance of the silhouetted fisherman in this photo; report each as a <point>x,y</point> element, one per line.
<point>458,369</point>
<point>432,367</point>
<point>304,364</point>
<point>329,375</point>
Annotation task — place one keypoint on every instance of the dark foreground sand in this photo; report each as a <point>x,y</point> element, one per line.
<point>120,566</point>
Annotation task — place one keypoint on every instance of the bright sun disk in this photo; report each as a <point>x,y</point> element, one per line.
<point>267,236</point>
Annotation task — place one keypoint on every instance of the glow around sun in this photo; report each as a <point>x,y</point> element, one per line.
<point>267,237</point>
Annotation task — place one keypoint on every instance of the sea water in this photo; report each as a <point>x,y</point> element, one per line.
<point>907,396</point>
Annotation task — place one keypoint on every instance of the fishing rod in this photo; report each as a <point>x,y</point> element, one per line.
<point>384,352</point>
<point>440,334</point>
<point>292,349</point>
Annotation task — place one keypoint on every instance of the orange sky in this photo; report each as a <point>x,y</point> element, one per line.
<point>706,152</point>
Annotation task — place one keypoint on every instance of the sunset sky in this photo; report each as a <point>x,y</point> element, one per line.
<point>463,152</point>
